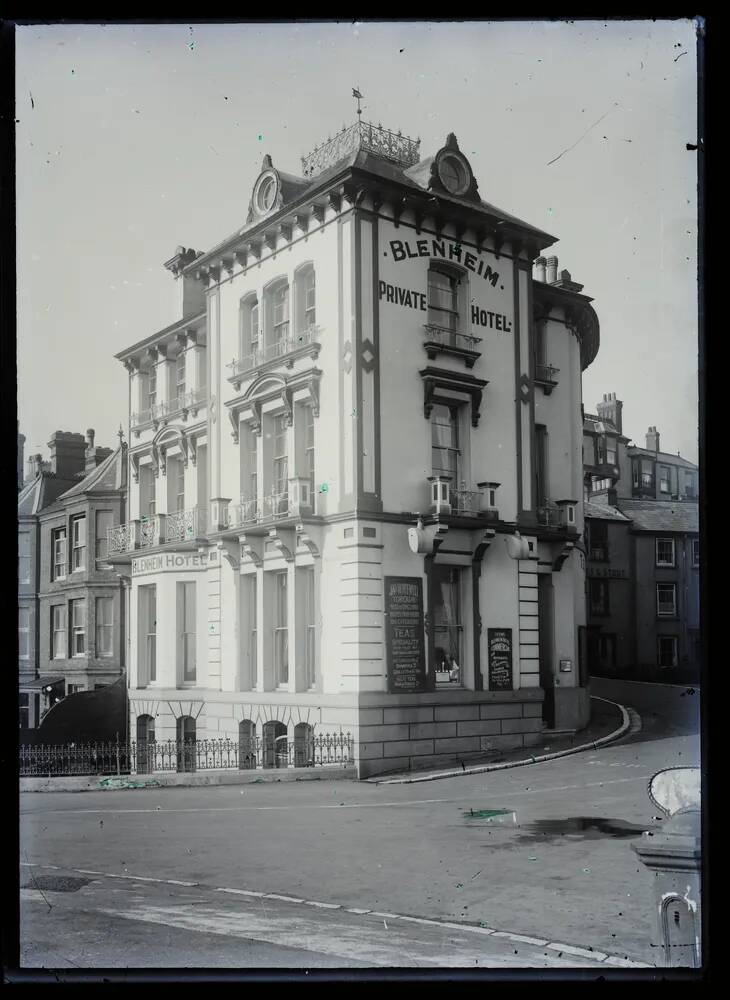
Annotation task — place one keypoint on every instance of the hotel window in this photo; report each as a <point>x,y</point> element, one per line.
<point>695,551</point>
<point>307,579</point>
<point>447,627</point>
<point>445,452</point>
<point>104,521</point>
<point>665,552</point>
<point>179,485</point>
<point>180,376</point>
<point>186,632</point>
<point>443,298</point>
<point>309,444</point>
<point>59,641</point>
<point>58,543</point>
<point>304,299</point>
<point>666,600</point>
<point>280,305</point>
<point>78,627</point>
<point>599,598</point>
<point>280,482</point>
<point>249,327</point>
<point>152,387</point>
<point>664,483</point>
<point>104,626</point>
<point>24,633</point>
<point>309,299</point>
<point>147,505</point>
<point>281,632</point>
<point>78,543</point>
<point>24,557</point>
<point>667,651</point>
<point>148,633</point>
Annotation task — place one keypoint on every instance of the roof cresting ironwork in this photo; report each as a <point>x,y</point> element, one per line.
<point>392,146</point>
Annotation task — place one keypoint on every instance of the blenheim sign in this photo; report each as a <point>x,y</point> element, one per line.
<point>401,250</point>
<point>167,562</point>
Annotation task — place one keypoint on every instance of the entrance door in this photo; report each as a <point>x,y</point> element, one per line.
<point>545,611</point>
<point>606,659</point>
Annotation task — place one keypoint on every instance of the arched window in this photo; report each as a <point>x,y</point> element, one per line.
<point>249,327</point>
<point>277,318</point>
<point>303,745</point>
<point>305,300</point>
<point>186,743</point>
<point>145,744</point>
<point>276,751</point>
<point>246,745</point>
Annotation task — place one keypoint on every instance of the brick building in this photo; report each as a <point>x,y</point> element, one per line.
<point>356,474</point>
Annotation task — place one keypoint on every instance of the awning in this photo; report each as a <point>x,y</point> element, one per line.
<point>41,682</point>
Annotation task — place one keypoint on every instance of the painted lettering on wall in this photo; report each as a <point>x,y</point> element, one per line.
<point>169,561</point>
<point>401,249</point>
<point>493,320</point>
<point>402,296</point>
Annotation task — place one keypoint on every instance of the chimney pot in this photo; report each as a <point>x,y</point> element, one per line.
<point>540,265</point>
<point>552,270</point>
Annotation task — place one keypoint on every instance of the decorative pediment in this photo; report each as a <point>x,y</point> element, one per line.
<point>439,383</point>
<point>451,173</point>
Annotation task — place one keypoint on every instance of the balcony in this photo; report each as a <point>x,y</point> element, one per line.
<point>441,340</point>
<point>297,501</point>
<point>599,553</point>
<point>158,529</point>
<point>187,403</point>
<point>287,349</point>
<point>545,376</point>
<point>462,502</point>
<point>557,515</point>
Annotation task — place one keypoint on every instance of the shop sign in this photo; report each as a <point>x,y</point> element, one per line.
<point>606,571</point>
<point>167,562</point>
<point>499,647</point>
<point>405,648</point>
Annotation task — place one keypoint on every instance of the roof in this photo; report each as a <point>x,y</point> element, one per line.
<point>603,512</point>
<point>661,515</point>
<point>103,478</point>
<point>41,491</point>
<point>664,456</point>
<point>598,425</point>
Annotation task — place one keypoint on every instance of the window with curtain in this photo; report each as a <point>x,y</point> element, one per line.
<point>147,505</point>
<point>447,624</point>
<point>445,442</point>
<point>59,642</point>
<point>443,299</point>
<point>58,544</point>
<point>78,536</point>
<point>104,626</point>
<point>78,627</point>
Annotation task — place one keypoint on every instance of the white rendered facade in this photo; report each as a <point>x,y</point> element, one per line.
<point>366,335</point>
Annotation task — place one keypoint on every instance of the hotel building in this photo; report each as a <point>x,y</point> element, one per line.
<point>356,479</point>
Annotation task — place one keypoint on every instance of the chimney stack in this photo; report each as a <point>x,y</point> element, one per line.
<point>189,290</point>
<point>540,265</point>
<point>552,270</point>
<point>652,439</point>
<point>67,454</point>
<point>35,463</point>
<point>610,409</point>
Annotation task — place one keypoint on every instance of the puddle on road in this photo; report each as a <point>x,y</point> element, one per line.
<point>580,827</point>
<point>56,883</point>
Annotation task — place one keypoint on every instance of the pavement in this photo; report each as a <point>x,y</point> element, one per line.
<point>526,866</point>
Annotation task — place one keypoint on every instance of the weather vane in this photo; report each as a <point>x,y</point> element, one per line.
<point>356,93</point>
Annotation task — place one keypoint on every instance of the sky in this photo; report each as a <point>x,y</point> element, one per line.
<point>134,139</point>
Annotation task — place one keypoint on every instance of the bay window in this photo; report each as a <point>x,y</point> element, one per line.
<point>104,521</point>
<point>58,544</point>
<point>58,632</point>
<point>78,543</point>
<point>24,633</point>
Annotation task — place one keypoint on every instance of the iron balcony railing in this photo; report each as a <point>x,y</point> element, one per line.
<point>465,501</point>
<point>141,757</point>
<point>142,417</point>
<point>158,529</point>
<point>184,525</point>
<point>254,510</point>
<point>279,349</point>
<point>445,337</point>
<point>551,516</point>
<point>546,373</point>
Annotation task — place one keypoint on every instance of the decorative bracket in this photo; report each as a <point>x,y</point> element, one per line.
<point>241,257</point>
<point>155,460</point>
<point>288,410</point>
<point>252,550</point>
<point>304,539</point>
<point>313,386</point>
<point>184,447</point>
<point>567,549</point>
<point>233,417</point>
<point>193,449</point>
<point>302,222</point>
<point>318,213</point>
<point>231,552</point>
<point>486,541</point>
<point>335,201</point>
<point>278,543</point>
<point>134,461</point>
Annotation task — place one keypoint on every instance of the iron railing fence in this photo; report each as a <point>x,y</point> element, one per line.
<point>140,757</point>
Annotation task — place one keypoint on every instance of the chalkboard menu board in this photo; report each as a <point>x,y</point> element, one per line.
<point>499,642</point>
<point>404,634</point>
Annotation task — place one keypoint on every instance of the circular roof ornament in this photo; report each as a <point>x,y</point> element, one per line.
<point>265,192</point>
<point>451,172</point>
